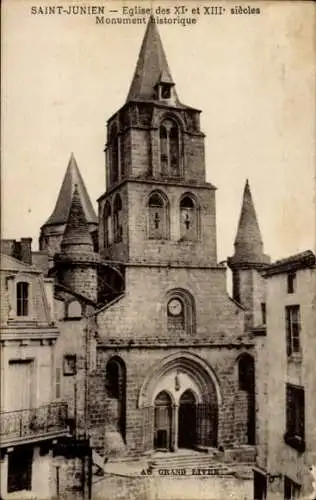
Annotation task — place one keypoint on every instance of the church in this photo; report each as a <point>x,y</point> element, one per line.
<point>173,365</point>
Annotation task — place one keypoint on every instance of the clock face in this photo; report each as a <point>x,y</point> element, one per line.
<point>175,307</point>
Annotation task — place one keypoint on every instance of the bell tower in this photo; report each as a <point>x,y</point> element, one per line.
<point>158,207</point>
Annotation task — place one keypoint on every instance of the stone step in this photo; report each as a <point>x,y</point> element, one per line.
<point>193,464</point>
<point>183,461</point>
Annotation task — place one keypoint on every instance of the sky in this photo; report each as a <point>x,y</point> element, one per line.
<point>253,77</point>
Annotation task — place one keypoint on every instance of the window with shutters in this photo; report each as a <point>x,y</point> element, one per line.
<point>22,298</point>
<point>188,218</point>
<point>295,417</point>
<point>158,223</point>
<point>58,383</point>
<point>293,327</point>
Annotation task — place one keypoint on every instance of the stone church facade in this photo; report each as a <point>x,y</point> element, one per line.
<point>174,363</point>
<point>168,361</point>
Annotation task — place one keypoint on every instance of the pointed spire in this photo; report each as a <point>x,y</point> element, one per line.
<point>76,236</point>
<point>248,224</point>
<point>248,241</point>
<point>152,66</point>
<point>62,207</point>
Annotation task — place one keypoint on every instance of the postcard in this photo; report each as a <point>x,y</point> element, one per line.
<point>158,270</point>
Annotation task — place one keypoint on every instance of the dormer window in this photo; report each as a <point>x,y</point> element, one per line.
<point>165,91</point>
<point>22,298</point>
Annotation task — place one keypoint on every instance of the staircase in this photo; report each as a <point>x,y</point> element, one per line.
<point>193,462</point>
<point>169,463</point>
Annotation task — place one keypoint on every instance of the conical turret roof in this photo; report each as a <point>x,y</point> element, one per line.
<point>248,241</point>
<point>61,211</point>
<point>152,66</point>
<point>248,226</point>
<point>76,237</point>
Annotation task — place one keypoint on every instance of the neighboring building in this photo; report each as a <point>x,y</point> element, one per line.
<point>31,418</point>
<point>291,376</point>
<point>280,304</point>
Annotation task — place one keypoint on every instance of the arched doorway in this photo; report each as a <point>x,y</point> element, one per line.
<point>246,390</point>
<point>163,421</point>
<point>116,392</point>
<point>187,420</point>
<point>175,375</point>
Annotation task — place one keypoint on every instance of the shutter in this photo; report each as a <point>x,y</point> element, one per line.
<point>301,402</point>
<point>58,383</point>
<point>289,410</point>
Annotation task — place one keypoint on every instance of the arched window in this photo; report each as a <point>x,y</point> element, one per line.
<point>180,312</point>
<point>114,154</point>
<point>158,216</point>
<point>22,298</point>
<point>113,379</point>
<point>107,224</point>
<point>116,389</point>
<point>74,309</point>
<point>169,148</point>
<point>188,218</point>
<point>117,215</point>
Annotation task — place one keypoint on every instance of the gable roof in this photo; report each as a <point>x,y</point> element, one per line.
<point>295,262</point>
<point>8,263</point>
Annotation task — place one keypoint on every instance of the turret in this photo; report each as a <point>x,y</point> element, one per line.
<point>247,262</point>
<point>53,229</point>
<point>76,264</point>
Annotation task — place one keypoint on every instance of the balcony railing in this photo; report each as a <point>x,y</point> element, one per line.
<point>30,424</point>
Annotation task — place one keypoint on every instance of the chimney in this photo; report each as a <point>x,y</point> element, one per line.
<point>26,250</point>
